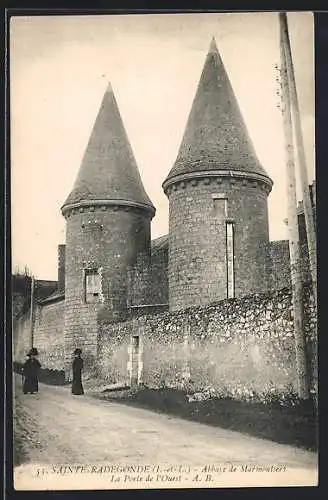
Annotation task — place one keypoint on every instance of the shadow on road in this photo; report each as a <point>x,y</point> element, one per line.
<point>294,425</point>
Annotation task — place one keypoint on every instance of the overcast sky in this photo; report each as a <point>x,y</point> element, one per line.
<point>61,66</point>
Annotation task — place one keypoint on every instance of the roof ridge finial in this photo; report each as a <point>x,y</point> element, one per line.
<point>213,46</point>
<point>109,87</point>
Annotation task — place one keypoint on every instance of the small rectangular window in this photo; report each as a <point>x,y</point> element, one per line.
<point>230,260</point>
<point>220,208</point>
<point>92,285</point>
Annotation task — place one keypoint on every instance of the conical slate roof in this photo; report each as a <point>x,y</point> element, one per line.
<point>215,137</point>
<point>109,171</point>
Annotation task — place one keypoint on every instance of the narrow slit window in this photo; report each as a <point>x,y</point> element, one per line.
<point>230,260</point>
<point>92,286</point>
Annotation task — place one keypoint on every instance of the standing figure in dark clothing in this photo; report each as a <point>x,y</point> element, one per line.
<point>77,387</point>
<point>31,372</point>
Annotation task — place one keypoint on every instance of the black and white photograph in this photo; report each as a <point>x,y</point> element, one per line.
<point>164,251</point>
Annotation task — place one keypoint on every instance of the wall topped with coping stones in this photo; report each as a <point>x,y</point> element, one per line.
<point>142,310</point>
<point>235,345</point>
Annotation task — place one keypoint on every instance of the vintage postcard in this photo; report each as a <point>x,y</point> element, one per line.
<point>164,251</point>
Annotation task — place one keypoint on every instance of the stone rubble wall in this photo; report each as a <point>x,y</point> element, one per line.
<point>234,345</point>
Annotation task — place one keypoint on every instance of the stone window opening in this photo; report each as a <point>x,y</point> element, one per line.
<point>135,343</point>
<point>135,364</point>
<point>92,286</point>
<point>220,206</point>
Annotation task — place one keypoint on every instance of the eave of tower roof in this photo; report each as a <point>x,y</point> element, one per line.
<point>109,172</point>
<point>216,136</point>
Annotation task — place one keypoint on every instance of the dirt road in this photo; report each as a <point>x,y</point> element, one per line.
<point>54,427</point>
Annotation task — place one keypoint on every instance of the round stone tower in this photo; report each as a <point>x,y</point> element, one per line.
<point>108,216</point>
<point>217,190</point>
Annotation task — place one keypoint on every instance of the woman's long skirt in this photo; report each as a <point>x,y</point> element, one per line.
<point>77,387</point>
<point>31,384</point>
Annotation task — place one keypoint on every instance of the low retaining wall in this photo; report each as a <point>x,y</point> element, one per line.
<point>46,376</point>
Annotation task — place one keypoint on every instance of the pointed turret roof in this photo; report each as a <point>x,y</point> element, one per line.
<point>215,137</point>
<point>109,171</point>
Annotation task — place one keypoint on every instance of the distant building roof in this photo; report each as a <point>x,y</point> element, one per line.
<point>54,297</point>
<point>160,243</point>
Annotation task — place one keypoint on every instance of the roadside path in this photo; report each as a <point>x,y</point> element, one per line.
<point>55,427</point>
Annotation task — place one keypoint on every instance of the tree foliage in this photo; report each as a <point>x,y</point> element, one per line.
<point>21,291</point>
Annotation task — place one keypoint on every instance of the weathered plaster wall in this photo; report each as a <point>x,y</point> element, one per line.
<point>48,335</point>
<point>21,337</point>
<point>234,345</point>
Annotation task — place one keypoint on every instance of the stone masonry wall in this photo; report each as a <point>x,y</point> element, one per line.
<point>139,281</point>
<point>148,280</point>
<point>235,345</point>
<point>61,268</point>
<point>279,264</point>
<point>197,240</point>
<point>160,284</point>
<point>48,335</point>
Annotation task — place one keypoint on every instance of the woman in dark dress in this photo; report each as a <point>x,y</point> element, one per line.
<point>77,387</point>
<point>31,372</point>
